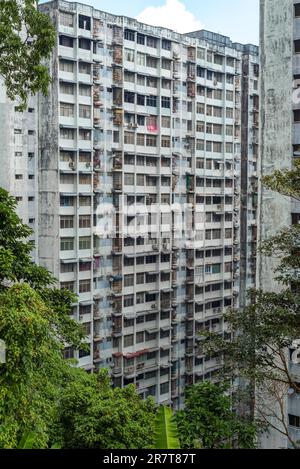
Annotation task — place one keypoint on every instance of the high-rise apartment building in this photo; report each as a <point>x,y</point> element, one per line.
<point>280,145</point>
<point>147,167</point>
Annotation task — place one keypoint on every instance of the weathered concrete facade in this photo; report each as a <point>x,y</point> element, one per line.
<point>278,142</point>
<point>18,158</point>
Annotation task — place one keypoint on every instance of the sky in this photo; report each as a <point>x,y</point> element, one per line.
<point>238,19</point>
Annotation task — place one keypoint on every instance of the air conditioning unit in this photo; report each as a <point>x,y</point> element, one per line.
<point>154,307</point>
<point>88,165</point>
<point>155,247</point>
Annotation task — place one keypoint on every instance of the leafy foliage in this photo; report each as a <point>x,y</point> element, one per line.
<point>166,430</point>
<point>93,415</point>
<point>26,38</point>
<point>208,421</point>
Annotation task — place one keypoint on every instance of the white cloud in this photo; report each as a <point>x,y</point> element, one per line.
<point>172,15</point>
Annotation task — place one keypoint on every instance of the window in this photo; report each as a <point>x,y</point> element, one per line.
<point>66,19</point>
<point>165,102</point>
<point>67,286</point>
<point>166,64</point>
<point>84,90</point>
<point>297,46</point>
<point>140,120</point>
<point>151,62</point>
<point>141,59</point>
<point>84,221</point>
<point>164,388</point>
<point>84,22</point>
<point>139,337</point>
<point>200,72</point>
<point>140,79</point>
<point>200,108</point>
<point>85,111</point>
<point>217,147</point>
<point>218,94</point>
<point>84,68</point>
<point>85,179</point>
<point>68,353</point>
<point>229,113</point>
<point>140,139</point>
<point>84,286</point>
<point>66,41</point>
<point>166,122</point>
<point>84,43</point>
<point>129,77</point>
<point>140,100</point>
<point>218,59</point>
<point>152,101</point>
<point>140,180</point>
<point>67,110</point>
<point>201,54</point>
<point>229,95</point>
<point>128,300</point>
<point>86,327</point>
<point>140,39</point>
<point>67,244</point>
<point>67,268</point>
<point>129,179</point>
<point>85,242</point>
<point>129,97</point>
<point>84,157</point>
<point>85,134</point>
<point>84,201</point>
<point>230,62</point>
<point>67,134</point>
<point>66,222</point>
<point>129,55</point>
<point>229,147</point>
<point>128,340</point>
<point>67,201</point>
<point>128,280</point>
<point>129,138</point>
<point>18,153</point>
<point>18,176</point>
<point>166,45</point>
<point>166,84</point>
<point>152,42</point>
<point>151,140</point>
<point>66,88</point>
<point>165,141</point>
<point>217,129</point>
<point>84,353</point>
<point>152,82</point>
<point>129,35</point>
<point>294,421</point>
<point>66,66</point>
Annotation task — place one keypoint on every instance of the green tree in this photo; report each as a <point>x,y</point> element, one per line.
<point>93,415</point>
<point>208,421</point>
<point>27,37</point>
<point>256,345</point>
